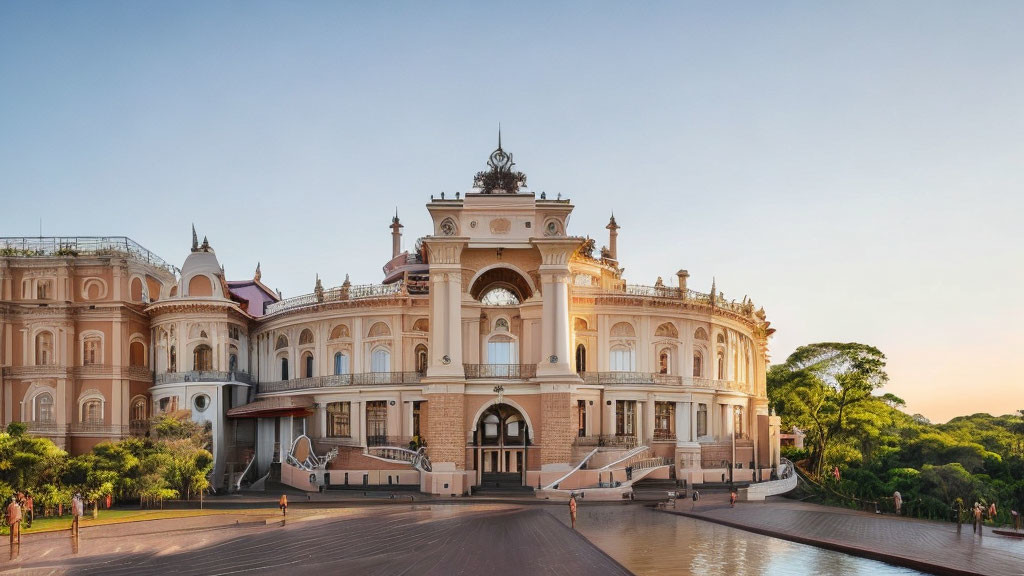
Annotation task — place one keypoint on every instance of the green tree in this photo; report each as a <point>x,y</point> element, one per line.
<point>826,389</point>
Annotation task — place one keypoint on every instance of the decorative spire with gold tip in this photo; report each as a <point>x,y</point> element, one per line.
<point>501,178</point>
<point>613,236</point>
<point>195,239</point>
<point>258,274</point>
<point>713,292</point>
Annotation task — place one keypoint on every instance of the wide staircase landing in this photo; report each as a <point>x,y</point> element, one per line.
<point>502,482</point>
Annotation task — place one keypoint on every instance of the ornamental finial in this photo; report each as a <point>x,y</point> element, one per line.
<point>195,239</point>
<point>258,274</point>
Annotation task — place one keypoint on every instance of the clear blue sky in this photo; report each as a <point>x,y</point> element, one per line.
<point>854,167</point>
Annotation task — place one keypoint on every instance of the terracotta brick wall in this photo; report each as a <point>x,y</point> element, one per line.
<point>446,438</point>
<point>557,428</point>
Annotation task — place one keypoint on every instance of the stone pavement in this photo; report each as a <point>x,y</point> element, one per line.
<point>923,545</point>
<point>413,539</point>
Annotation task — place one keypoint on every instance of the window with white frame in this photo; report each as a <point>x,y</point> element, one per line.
<point>42,408</point>
<point>380,360</point>
<point>341,363</point>
<point>622,359</point>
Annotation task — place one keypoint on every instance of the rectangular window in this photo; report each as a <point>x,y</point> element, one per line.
<point>664,420</point>
<point>625,418</point>
<point>702,420</point>
<point>622,360</point>
<point>581,417</point>
<point>377,422</point>
<point>339,420</point>
<point>416,418</point>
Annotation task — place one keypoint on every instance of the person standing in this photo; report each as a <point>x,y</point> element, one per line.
<point>978,529</point>
<point>76,514</point>
<point>30,512</point>
<point>572,509</point>
<point>283,503</point>
<point>897,501</point>
<point>14,520</point>
<point>732,499</point>
<point>992,512</point>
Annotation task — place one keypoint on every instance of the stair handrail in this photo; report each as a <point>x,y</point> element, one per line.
<point>245,472</point>
<point>554,484</point>
<point>632,453</point>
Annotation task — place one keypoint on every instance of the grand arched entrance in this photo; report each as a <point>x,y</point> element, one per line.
<point>501,445</point>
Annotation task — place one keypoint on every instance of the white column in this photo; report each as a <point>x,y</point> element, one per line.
<point>648,429</point>
<point>693,420</point>
<point>683,422</point>
<point>446,309</point>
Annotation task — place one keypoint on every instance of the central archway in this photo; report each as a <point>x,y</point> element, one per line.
<point>501,276</point>
<point>501,442</point>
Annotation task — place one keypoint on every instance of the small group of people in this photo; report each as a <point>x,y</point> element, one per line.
<point>21,508</point>
<point>978,512</point>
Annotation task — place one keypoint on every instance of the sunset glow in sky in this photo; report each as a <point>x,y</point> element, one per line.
<point>856,168</point>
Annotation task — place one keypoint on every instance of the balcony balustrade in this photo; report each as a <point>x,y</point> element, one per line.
<point>500,371</point>
<point>744,308</point>
<point>97,428</point>
<point>48,246</point>
<point>340,380</point>
<point>44,427</point>
<point>201,376</point>
<point>338,294</point>
<point>44,371</point>
<point>648,378</point>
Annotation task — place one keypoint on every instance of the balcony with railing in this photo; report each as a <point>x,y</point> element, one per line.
<point>72,246</point>
<point>649,378</point>
<point>97,428</point>
<point>44,428</point>
<point>744,308</point>
<point>500,371</point>
<point>340,380</point>
<point>201,376</point>
<point>338,294</point>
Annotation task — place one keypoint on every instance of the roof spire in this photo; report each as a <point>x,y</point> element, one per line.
<point>499,135</point>
<point>258,274</point>
<point>195,239</point>
<point>713,291</point>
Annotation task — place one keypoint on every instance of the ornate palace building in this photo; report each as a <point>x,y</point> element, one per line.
<point>500,351</point>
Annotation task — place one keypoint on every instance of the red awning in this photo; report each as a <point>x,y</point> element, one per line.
<point>274,407</point>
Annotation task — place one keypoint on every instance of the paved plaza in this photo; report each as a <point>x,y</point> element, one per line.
<point>408,539</point>
<point>919,544</point>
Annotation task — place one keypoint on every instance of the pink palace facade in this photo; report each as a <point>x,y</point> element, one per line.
<point>502,351</point>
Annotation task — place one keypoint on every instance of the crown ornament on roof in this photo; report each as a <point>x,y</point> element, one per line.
<point>500,178</point>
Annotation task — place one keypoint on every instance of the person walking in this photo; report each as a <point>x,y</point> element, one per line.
<point>897,501</point>
<point>14,520</point>
<point>732,499</point>
<point>572,509</point>
<point>992,512</point>
<point>30,511</point>
<point>283,503</point>
<point>978,529</point>
<point>77,508</point>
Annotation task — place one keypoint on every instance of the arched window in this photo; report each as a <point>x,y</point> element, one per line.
<point>667,330</point>
<point>42,408</point>
<point>306,337</point>
<point>622,359</point>
<point>380,360</point>
<point>581,359</point>
<point>721,366</point>
<point>137,354</point>
<point>91,353</point>
<point>501,325</point>
<point>282,342</point>
<point>421,359</point>
<point>92,411</point>
<point>721,338</point>
<point>202,358</point>
<point>174,360</point>
<point>664,362</point>
<point>341,363</point>
<point>284,368</point>
<point>700,334</point>
<point>623,330</point>
<point>698,365</point>
<point>501,349</point>
<point>499,296</point>
<point>42,290</point>
<point>233,363</point>
<point>44,349</point>
<point>491,423</point>
<point>138,410</point>
<point>307,361</point>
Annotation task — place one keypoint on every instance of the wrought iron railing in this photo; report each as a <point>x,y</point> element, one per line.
<point>338,380</point>
<point>609,441</point>
<point>47,246</point>
<point>44,427</point>
<point>745,307</point>
<point>503,371</point>
<point>50,370</point>
<point>201,376</point>
<point>96,428</point>
<point>381,440</point>
<point>641,378</point>
<point>337,294</point>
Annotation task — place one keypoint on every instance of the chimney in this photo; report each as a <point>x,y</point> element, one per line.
<point>396,235</point>
<point>682,275</point>
<point>613,234</point>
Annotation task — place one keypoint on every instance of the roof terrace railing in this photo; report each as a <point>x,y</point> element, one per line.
<point>642,378</point>
<point>341,293</point>
<point>48,246</point>
<point>338,380</point>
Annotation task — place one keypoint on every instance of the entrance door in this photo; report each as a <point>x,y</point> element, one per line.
<point>376,423</point>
